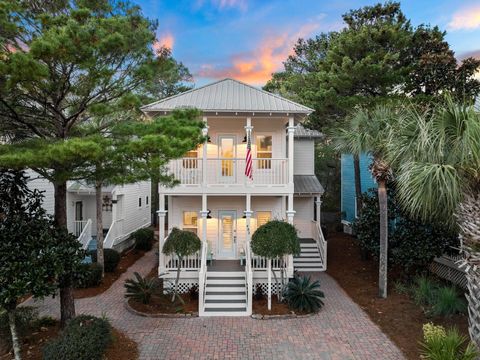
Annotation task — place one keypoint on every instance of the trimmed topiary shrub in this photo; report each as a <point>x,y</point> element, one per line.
<point>84,338</point>
<point>144,239</point>
<point>411,244</point>
<point>89,275</point>
<point>304,295</point>
<point>111,258</point>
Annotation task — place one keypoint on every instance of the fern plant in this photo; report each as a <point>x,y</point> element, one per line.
<point>304,295</point>
<point>141,289</point>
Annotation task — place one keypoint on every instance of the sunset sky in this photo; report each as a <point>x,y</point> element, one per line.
<point>248,40</point>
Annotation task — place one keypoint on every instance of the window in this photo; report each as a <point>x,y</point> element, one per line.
<point>146,200</point>
<point>190,221</point>
<point>264,151</point>
<point>263,217</point>
<point>190,160</point>
<point>139,202</point>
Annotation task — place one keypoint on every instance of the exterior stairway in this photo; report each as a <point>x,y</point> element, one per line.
<point>309,258</point>
<point>225,290</point>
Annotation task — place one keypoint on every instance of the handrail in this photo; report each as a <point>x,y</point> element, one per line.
<point>202,279</point>
<point>114,232</point>
<point>86,234</point>
<point>321,242</point>
<point>248,277</point>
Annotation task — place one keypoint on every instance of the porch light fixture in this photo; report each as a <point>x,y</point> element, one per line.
<point>244,139</point>
<point>208,139</point>
<point>208,213</point>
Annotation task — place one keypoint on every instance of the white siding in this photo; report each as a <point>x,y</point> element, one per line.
<point>304,157</point>
<point>303,216</point>
<point>134,217</point>
<point>42,184</point>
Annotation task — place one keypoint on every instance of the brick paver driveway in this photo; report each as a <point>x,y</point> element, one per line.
<point>340,331</point>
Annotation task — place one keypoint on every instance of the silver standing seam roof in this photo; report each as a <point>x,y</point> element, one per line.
<point>226,96</point>
<point>307,185</point>
<point>302,133</point>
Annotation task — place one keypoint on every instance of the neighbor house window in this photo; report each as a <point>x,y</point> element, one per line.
<point>190,221</point>
<point>263,217</point>
<point>264,151</point>
<point>146,200</point>
<point>190,160</point>
<point>139,202</point>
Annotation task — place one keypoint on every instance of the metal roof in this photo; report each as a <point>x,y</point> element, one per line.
<point>228,95</point>
<point>301,132</point>
<point>307,184</point>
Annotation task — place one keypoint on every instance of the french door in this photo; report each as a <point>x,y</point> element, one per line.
<point>227,238</point>
<point>226,152</point>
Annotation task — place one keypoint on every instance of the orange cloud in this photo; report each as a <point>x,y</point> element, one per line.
<point>166,40</point>
<point>256,68</point>
<point>466,19</point>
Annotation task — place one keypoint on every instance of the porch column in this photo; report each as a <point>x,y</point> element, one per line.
<point>291,131</point>
<point>248,133</point>
<point>318,204</point>
<point>205,154</point>
<point>204,214</point>
<point>248,215</point>
<point>290,211</point>
<point>161,233</point>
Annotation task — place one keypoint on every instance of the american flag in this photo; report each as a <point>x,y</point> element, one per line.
<point>248,163</point>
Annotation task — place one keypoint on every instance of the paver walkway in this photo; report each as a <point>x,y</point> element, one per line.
<point>341,330</point>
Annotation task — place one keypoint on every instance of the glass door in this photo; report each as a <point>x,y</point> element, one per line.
<point>226,152</point>
<point>227,234</point>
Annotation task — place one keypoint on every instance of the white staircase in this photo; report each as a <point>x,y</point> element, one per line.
<point>225,293</point>
<point>309,258</point>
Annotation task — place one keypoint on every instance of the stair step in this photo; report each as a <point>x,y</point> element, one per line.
<point>225,274</point>
<point>225,296</point>
<point>306,241</point>
<point>225,289</point>
<point>211,281</point>
<point>313,269</point>
<point>227,306</point>
<point>308,246</point>
<point>225,284</point>
<point>225,301</point>
<point>238,309</point>
<point>307,259</point>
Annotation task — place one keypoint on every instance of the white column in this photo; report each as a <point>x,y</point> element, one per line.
<point>291,131</point>
<point>161,233</point>
<point>248,215</point>
<point>290,211</point>
<point>318,204</point>
<point>204,214</point>
<point>205,154</point>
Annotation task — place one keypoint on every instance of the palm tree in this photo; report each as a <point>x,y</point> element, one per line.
<point>436,154</point>
<point>368,132</point>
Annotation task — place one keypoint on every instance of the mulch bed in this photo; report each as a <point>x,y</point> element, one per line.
<point>398,316</point>
<point>127,259</point>
<point>122,347</point>
<point>260,306</point>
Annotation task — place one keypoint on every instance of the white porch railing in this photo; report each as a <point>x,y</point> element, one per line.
<point>86,234</point>
<point>202,279</point>
<point>188,263</point>
<point>230,171</point>
<point>260,263</point>
<point>114,232</point>
<point>78,226</point>
<point>248,277</point>
<point>321,242</point>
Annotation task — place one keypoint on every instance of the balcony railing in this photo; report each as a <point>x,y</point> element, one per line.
<point>222,171</point>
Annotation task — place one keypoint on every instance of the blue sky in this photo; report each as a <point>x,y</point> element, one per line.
<point>249,39</point>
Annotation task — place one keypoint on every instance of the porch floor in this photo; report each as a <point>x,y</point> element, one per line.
<point>226,265</point>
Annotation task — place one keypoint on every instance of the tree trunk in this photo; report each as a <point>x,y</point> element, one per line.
<point>177,279</point>
<point>382,202</point>
<point>67,302</point>
<point>278,285</point>
<point>13,332</point>
<point>98,204</point>
<point>155,201</point>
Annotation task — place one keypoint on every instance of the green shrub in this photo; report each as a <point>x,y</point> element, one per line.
<point>304,295</point>
<point>411,244</point>
<point>84,338</point>
<point>141,289</point>
<point>441,344</point>
<point>89,275</point>
<point>144,239</point>
<point>447,302</point>
<point>111,258</point>
<point>424,290</point>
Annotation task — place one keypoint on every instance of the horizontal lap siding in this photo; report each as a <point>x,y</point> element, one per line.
<point>303,216</point>
<point>135,216</point>
<point>304,161</point>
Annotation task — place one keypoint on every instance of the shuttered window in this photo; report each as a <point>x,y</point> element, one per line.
<point>263,217</point>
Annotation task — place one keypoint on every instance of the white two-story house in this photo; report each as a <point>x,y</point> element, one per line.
<point>216,200</point>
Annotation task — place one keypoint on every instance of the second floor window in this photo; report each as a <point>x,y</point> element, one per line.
<point>263,217</point>
<point>190,160</point>
<point>190,221</point>
<point>264,151</point>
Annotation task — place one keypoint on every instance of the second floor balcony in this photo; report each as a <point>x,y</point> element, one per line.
<point>229,171</point>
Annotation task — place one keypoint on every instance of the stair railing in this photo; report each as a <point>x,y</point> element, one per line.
<point>248,277</point>
<point>321,243</point>
<point>86,234</point>
<point>202,279</point>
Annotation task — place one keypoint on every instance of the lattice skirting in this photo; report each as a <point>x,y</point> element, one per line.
<point>184,285</point>
<point>446,268</point>
<point>264,286</point>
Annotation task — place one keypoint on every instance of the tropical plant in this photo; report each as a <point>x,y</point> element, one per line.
<point>181,243</point>
<point>304,295</point>
<point>436,155</point>
<point>447,302</point>
<point>141,288</point>
<point>424,290</point>
<point>441,344</point>
<point>367,132</point>
<point>275,240</point>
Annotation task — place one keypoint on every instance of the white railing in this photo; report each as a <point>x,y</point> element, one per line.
<point>260,263</point>
<point>321,242</point>
<point>202,279</point>
<point>114,232</point>
<point>86,234</point>
<point>230,171</point>
<point>188,263</point>
<point>248,278</point>
<point>78,226</point>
